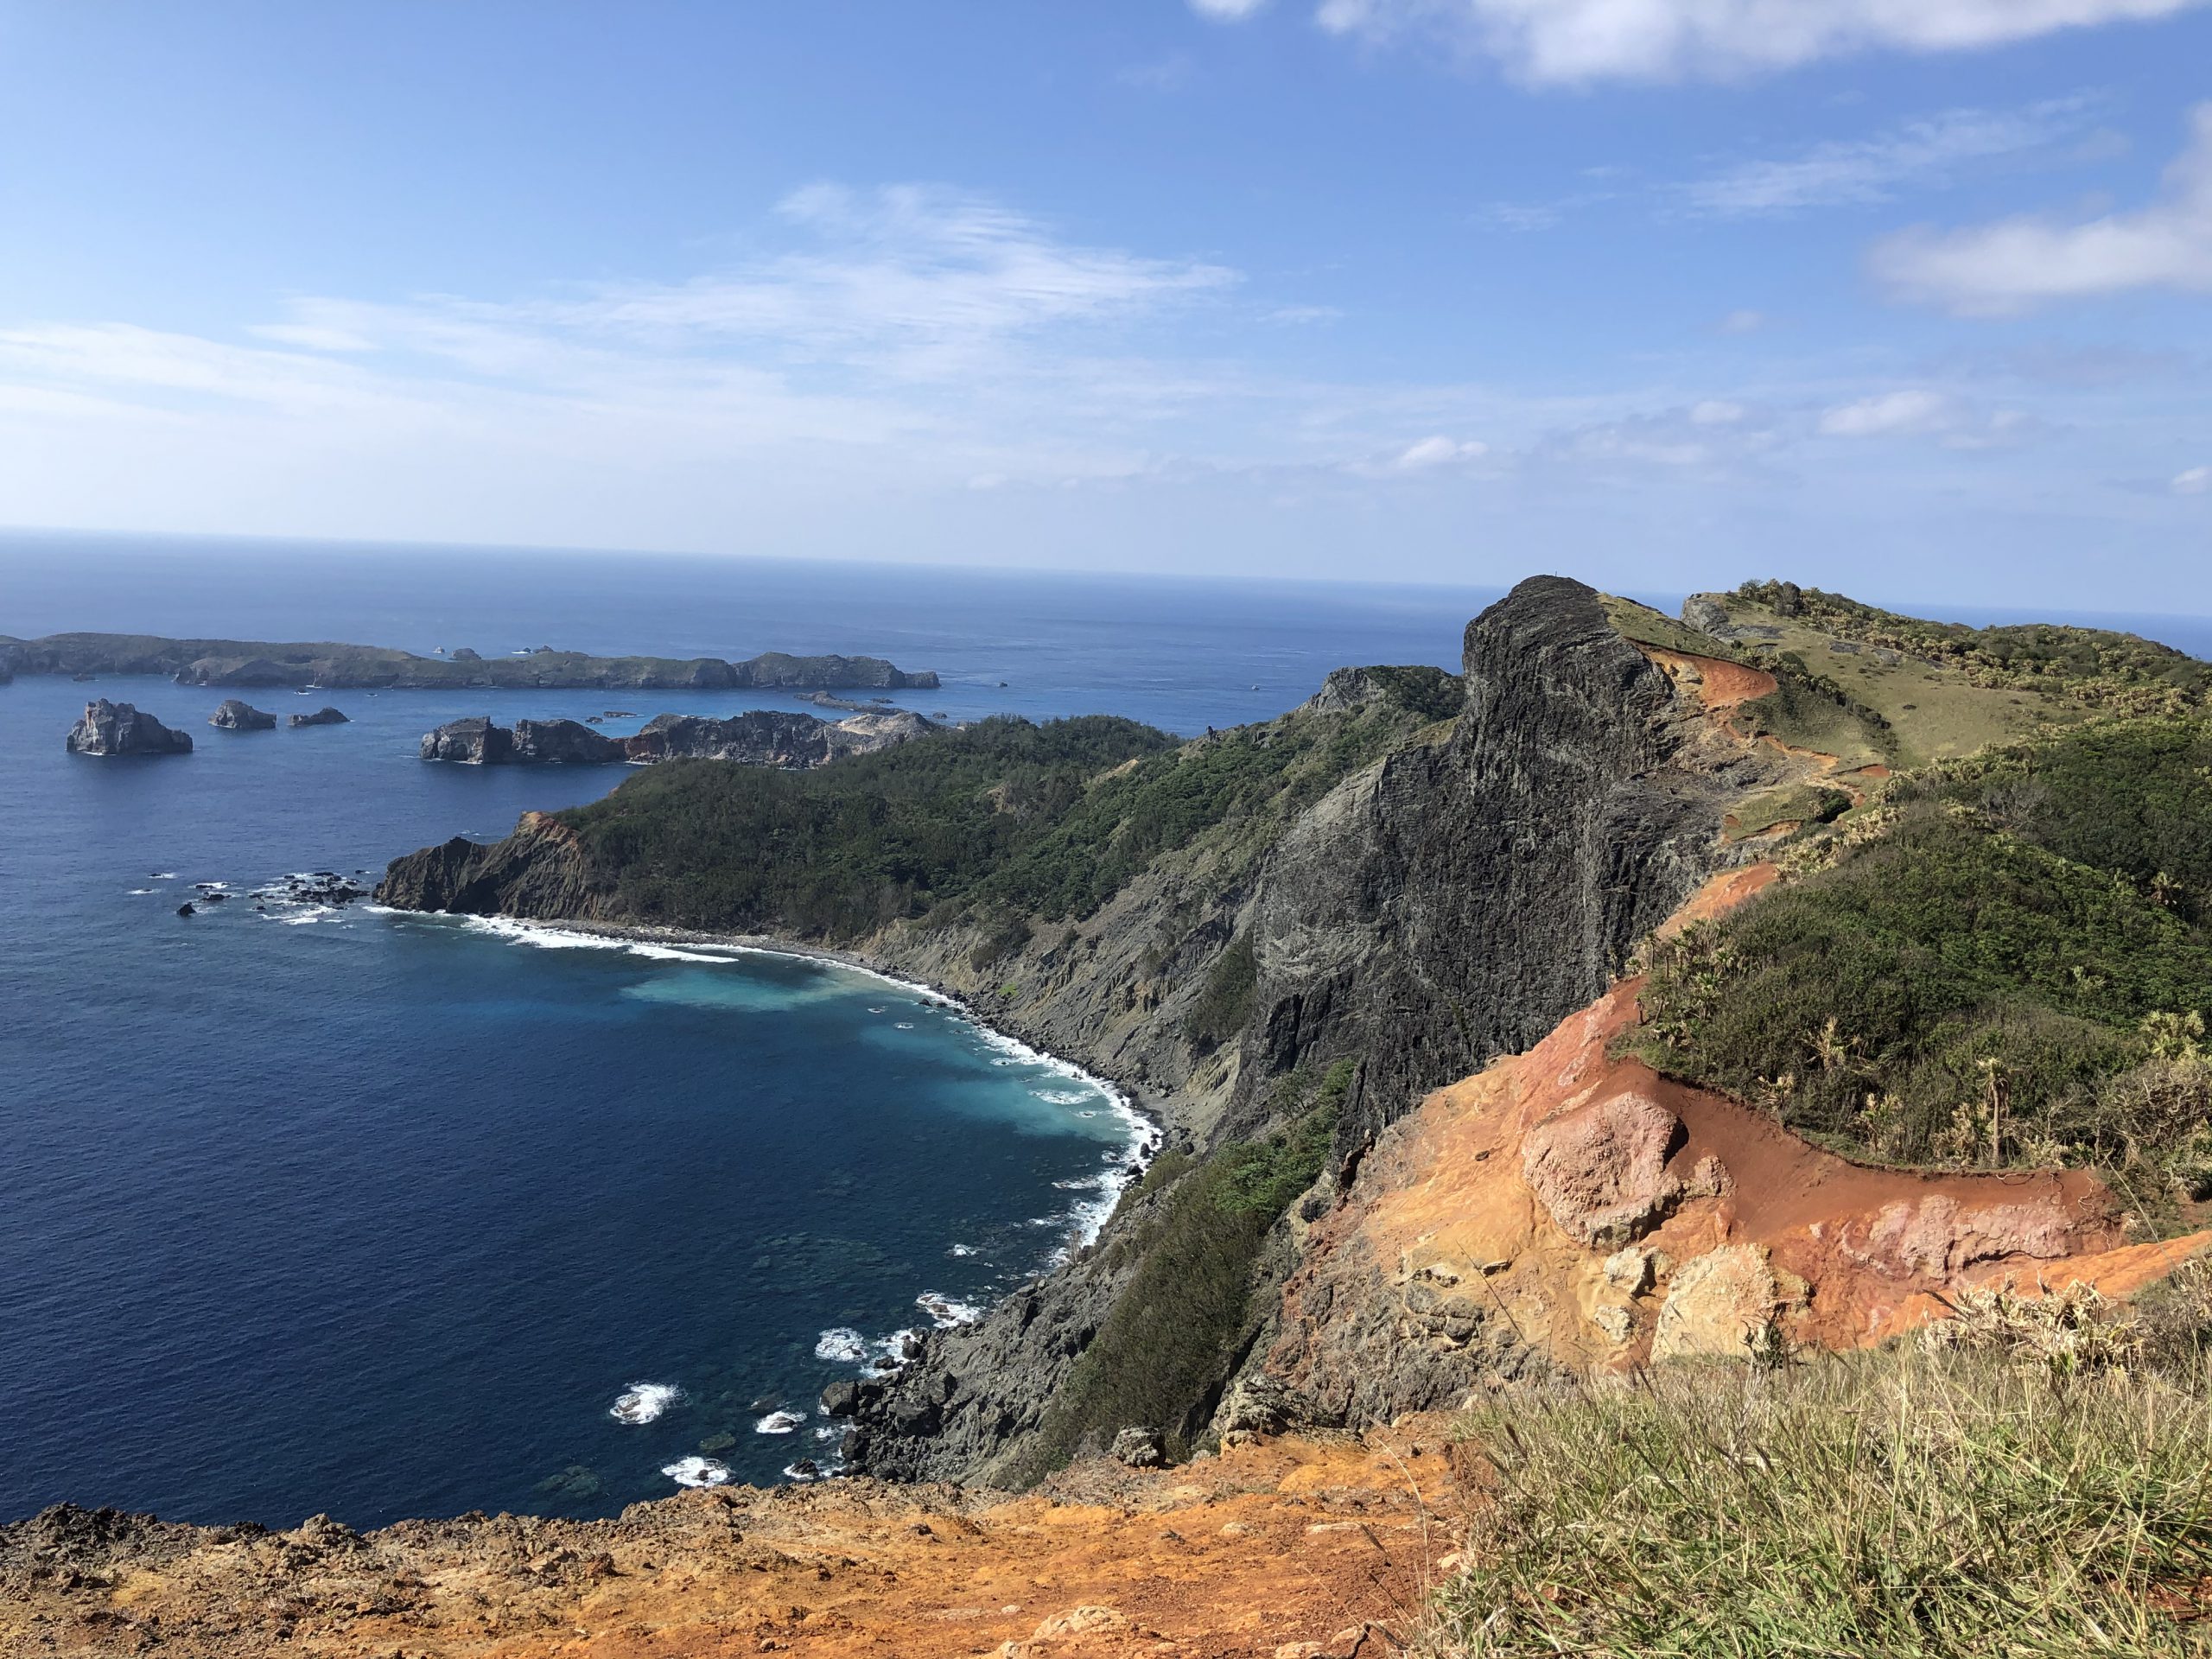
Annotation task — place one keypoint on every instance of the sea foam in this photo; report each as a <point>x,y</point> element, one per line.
<point>697,1472</point>
<point>779,1422</point>
<point>841,1344</point>
<point>641,1402</point>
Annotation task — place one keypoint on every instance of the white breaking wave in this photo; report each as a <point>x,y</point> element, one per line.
<point>792,1471</point>
<point>697,1472</point>
<point>779,1422</point>
<point>944,1312</point>
<point>841,1345</point>
<point>1062,1097</point>
<point>140,892</point>
<point>641,1402</point>
<point>963,1249</point>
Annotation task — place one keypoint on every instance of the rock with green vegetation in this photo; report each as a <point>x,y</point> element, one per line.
<point>260,663</point>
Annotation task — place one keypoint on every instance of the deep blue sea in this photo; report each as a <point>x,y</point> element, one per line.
<point>335,1210</point>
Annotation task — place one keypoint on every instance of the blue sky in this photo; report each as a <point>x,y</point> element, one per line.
<point>1907,297</point>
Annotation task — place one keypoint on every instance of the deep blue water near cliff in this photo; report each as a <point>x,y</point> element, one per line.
<point>305,1210</point>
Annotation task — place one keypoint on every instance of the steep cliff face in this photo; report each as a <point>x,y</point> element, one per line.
<point>1457,901</point>
<point>541,870</point>
<point>112,728</point>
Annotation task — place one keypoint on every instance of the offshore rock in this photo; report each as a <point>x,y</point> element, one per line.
<point>237,715</point>
<point>112,728</point>
<point>325,715</point>
<point>472,742</point>
<point>563,742</point>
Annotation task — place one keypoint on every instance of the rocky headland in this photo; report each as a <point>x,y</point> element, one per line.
<point>116,728</point>
<point>244,663</point>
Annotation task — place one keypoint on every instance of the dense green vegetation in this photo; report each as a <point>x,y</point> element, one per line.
<point>1225,1001</point>
<point>2000,965</point>
<point>1000,823</point>
<point>2037,1488</point>
<point>2116,671</point>
<point>1162,1355</point>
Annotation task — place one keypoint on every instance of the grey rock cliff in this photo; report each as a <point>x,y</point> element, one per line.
<point>112,728</point>
<point>236,715</point>
<point>474,741</point>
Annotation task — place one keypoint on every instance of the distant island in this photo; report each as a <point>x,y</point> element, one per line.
<point>261,663</point>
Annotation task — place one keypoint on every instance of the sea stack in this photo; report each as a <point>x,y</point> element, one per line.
<point>118,728</point>
<point>238,715</point>
<point>325,715</point>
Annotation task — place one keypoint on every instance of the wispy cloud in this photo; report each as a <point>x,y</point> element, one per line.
<point>1916,154</point>
<point>1571,41</point>
<point>2197,481</point>
<point>1227,11</point>
<point>1920,412</point>
<point>2016,265</point>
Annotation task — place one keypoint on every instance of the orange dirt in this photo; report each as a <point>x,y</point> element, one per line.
<point>1719,684</point>
<point>1760,1230</point>
<point>1721,895</point>
<point>1282,1549</point>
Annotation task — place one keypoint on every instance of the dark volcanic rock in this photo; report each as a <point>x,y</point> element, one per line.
<point>238,715</point>
<point>540,870</point>
<point>1460,900</point>
<point>325,715</point>
<point>563,742</point>
<point>474,741</point>
<point>771,737</point>
<point>118,728</point>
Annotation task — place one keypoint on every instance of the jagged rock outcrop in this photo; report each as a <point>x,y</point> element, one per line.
<point>760,737</point>
<point>1456,901</point>
<point>563,742</point>
<point>540,870</point>
<point>471,741</point>
<point>236,715</point>
<point>770,737</point>
<point>325,715</point>
<point>113,729</point>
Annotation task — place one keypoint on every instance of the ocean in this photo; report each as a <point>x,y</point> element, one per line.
<point>308,1210</point>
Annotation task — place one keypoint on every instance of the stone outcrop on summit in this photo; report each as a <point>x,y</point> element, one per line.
<point>117,728</point>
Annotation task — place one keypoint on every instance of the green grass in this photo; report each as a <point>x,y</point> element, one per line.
<point>1647,626</point>
<point>1922,1503</point>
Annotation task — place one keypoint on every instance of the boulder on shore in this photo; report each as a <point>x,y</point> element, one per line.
<point>111,729</point>
<point>237,715</point>
<point>325,715</point>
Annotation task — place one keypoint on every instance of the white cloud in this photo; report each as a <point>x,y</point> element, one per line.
<point>1427,455</point>
<point>2197,481</point>
<point>1716,412</point>
<point>1744,322</point>
<point>1919,412</point>
<point>1860,171</point>
<point>1578,41</point>
<point>2014,265</point>
<point>1227,11</point>
<point>1892,412</point>
<point>1297,314</point>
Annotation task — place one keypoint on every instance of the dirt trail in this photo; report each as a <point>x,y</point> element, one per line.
<point>1289,1547</point>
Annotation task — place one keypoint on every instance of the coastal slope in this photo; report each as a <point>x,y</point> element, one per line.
<point>1284,938</point>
